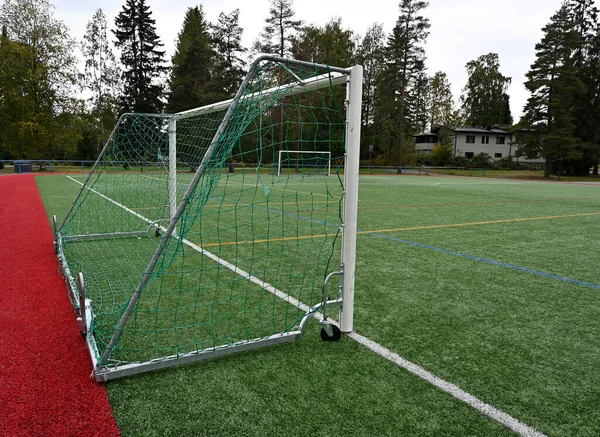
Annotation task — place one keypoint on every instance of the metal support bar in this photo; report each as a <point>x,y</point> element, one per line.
<point>353,124</point>
<point>104,373</point>
<point>163,242</point>
<point>81,320</point>
<point>104,236</point>
<point>173,170</point>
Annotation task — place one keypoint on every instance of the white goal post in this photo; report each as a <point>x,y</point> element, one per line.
<point>326,169</point>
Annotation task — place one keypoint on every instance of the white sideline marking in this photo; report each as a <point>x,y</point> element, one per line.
<point>452,389</point>
<point>447,387</point>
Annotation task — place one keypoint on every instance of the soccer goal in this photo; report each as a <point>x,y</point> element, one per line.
<point>184,242</point>
<point>303,161</point>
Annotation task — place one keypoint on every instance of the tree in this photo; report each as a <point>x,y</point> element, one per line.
<point>330,44</point>
<point>281,27</point>
<point>441,102</point>
<point>227,36</point>
<point>484,99</point>
<point>370,55</point>
<point>586,60</point>
<point>418,101</point>
<point>194,64</point>
<point>548,121</point>
<point>143,62</point>
<point>37,79</point>
<point>101,77</point>
<point>405,58</point>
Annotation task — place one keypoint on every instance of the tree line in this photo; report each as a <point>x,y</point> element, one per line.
<point>43,116</point>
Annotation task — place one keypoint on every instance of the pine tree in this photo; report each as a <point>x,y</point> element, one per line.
<point>370,55</point>
<point>227,37</point>
<point>331,44</point>
<point>405,57</point>
<point>484,99</point>
<point>586,60</point>
<point>194,64</point>
<point>418,110</point>
<point>143,62</point>
<point>548,121</point>
<point>281,27</point>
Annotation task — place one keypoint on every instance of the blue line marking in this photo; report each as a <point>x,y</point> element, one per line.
<point>438,249</point>
<point>485,260</point>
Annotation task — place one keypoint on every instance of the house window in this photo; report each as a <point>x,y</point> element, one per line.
<point>497,155</point>
<point>470,139</point>
<point>500,140</point>
<point>485,140</point>
<point>469,155</point>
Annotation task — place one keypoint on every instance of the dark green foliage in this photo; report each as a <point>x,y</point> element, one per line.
<point>370,54</point>
<point>484,99</point>
<point>37,71</point>
<point>483,160</point>
<point>404,61</point>
<point>194,65</point>
<point>331,44</point>
<point>548,123</point>
<point>141,58</point>
<point>441,103</point>
<point>586,60</point>
<point>227,38</point>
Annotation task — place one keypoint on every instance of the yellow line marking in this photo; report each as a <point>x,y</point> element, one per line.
<point>415,228</point>
<point>491,222</point>
<point>272,204</point>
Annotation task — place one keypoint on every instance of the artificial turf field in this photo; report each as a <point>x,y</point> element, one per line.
<point>488,284</point>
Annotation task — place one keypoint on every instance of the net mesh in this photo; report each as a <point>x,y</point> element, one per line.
<point>244,231</point>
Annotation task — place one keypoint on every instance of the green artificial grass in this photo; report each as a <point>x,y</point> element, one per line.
<point>523,342</point>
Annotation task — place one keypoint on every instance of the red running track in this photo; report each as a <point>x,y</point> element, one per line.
<point>45,385</point>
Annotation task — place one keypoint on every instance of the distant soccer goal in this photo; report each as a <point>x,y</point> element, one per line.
<point>301,161</point>
<point>183,243</point>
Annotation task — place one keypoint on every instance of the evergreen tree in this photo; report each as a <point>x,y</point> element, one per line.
<point>330,44</point>
<point>227,37</point>
<point>370,55</point>
<point>418,110</point>
<point>484,99</point>
<point>548,121</point>
<point>281,27</point>
<point>194,64</point>
<point>141,57</point>
<point>586,60</point>
<point>101,77</point>
<point>405,58</point>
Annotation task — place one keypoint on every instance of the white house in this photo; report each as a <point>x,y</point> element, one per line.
<point>471,141</point>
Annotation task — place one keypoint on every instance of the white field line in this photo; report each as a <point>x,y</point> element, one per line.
<point>445,386</point>
<point>270,288</point>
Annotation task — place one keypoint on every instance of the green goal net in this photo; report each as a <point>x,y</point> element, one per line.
<point>188,241</point>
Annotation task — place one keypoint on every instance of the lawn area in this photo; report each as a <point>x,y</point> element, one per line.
<point>489,284</point>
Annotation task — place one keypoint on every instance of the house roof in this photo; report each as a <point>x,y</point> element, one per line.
<point>425,134</point>
<point>478,130</point>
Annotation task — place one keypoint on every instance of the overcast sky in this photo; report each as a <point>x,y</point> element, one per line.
<point>461,30</point>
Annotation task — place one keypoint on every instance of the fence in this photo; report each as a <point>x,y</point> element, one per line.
<point>83,166</point>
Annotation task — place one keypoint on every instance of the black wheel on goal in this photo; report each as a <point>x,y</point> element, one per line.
<point>337,334</point>
<point>157,233</point>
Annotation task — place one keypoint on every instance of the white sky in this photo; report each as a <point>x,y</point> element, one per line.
<point>461,30</point>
